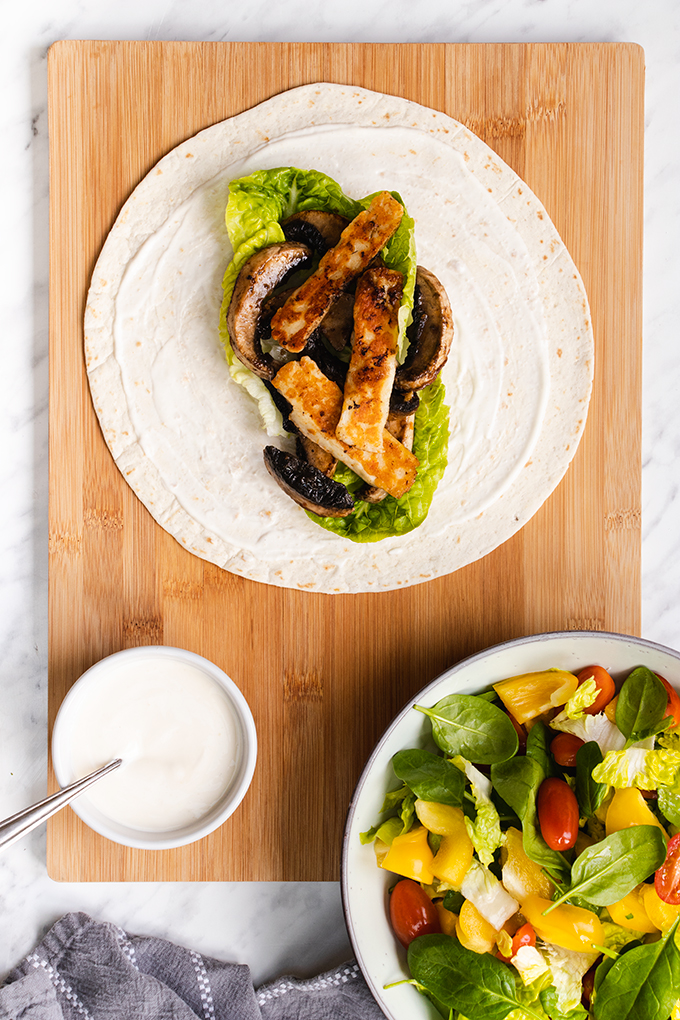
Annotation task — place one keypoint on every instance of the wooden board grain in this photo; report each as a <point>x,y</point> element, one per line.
<point>325,674</point>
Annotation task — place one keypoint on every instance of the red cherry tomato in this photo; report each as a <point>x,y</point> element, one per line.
<point>557,814</point>
<point>667,878</point>
<point>564,748</point>
<point>412,912</point>
<point>673,707</point>
<point>521,734</point>
<point>606,689</point>
<point>524,936</point>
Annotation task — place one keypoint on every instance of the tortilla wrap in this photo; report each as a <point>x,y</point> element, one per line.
<point>189,441</point>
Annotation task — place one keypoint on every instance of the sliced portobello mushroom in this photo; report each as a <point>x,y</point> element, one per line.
<point>315,228</point>
<point>283,407</point>
<point>259,276</point>
<point>430,334</point>
<point>308,450</point>
<point>308,486</point>
<point>403,403</point>
<point>337,324</point>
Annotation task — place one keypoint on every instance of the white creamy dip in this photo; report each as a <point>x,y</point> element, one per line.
<point>174,728</point>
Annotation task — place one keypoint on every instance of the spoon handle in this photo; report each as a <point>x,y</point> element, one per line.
<point>18,825</point>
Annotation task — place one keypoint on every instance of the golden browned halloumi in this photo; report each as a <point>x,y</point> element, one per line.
<point>359,243</point>
<point>317,403</point>
<point>370,377</point>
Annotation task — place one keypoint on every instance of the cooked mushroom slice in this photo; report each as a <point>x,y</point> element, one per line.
<point>314,455</point>
<point>283,407</point>
<point>338,322</point>
<point>402,428</point>
<point>403,404</point>
<point>332,367</point>
<point>431,333</point>
<point>315,228</point>
<point>307,485</point>
<point>263,271</point>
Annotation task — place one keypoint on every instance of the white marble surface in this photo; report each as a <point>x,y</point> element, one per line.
<point>275,928</point>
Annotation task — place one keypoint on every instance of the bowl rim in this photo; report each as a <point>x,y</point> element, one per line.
<point>213,819</point>
<point>451,671</point>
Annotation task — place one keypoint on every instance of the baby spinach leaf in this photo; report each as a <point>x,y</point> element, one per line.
<point>548,998</point>
<point>669,804</point>
<point>643,983</point>
<point>472,727</point>
<point>517,782</point>
<point>430,776</point>
<point>589,793</point>
<point>453,901</point>
<point>608,871</point>
<point>478,985</point>
<point>538,747</point>
<point>641,704</point>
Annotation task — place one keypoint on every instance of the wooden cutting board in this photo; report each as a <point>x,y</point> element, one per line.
<point>325,674</point>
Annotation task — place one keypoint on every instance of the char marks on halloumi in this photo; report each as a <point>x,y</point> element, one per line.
<point>359,243</point>
<point>373,364</point>
<point>316,406</point>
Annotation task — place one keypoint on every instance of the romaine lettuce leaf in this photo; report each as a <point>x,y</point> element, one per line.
<point>591,727</point>
<point>485,831</point>
<point>639,767</point>
<point>584,697</point>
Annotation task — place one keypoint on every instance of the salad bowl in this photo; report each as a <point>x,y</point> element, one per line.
<point>364,885</point>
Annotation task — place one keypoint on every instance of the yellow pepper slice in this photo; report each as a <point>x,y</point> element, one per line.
<point>521,875</point>
<point>447,919</point>
<point>659,913</point>
<point>567,926</point>
<point>630,912</point>
<point>410,855</point>
<point>443,819</point>
<point>628,807</point>
<point>453,859</point>
<point>532,694</point>
<point>474,931</point>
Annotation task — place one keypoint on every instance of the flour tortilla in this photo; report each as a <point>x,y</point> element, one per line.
<point>189,440</point>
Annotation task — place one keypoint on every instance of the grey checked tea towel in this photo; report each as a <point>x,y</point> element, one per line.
<point>88,970</point>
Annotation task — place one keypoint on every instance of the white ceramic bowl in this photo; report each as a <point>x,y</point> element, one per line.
<point>364,885</point>
<point>246,749</point>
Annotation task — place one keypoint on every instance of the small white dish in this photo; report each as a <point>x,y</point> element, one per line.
<point>110,679</point>
<point>364,885</point>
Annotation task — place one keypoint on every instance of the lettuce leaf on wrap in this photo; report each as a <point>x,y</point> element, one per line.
<point>257,205</point>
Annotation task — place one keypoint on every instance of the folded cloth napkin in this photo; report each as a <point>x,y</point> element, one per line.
<point>87,970</point>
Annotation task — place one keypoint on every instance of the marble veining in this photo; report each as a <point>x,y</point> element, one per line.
<point>275,928</point>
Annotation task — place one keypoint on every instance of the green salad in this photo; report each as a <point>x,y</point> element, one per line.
<point>537,846</point>
<point>259,207</point>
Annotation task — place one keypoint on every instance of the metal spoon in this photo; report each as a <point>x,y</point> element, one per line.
<point>22,822</point>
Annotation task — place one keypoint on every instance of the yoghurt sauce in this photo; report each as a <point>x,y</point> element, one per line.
<point>176,731</point>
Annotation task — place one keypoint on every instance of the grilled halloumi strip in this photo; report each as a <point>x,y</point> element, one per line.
<point>316,405</point>
<point>373,364</point>
<point>402,427</point>
<point>359,243</point>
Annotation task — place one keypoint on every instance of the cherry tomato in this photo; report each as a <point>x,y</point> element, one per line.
<point>673,707</point>
<point>564,747</point>
<point>524,936</point>
<point>521,734</point>
<point>606,688</point>
<point>412,912</point>
<point>557,814</point>
<point>667,878</point>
